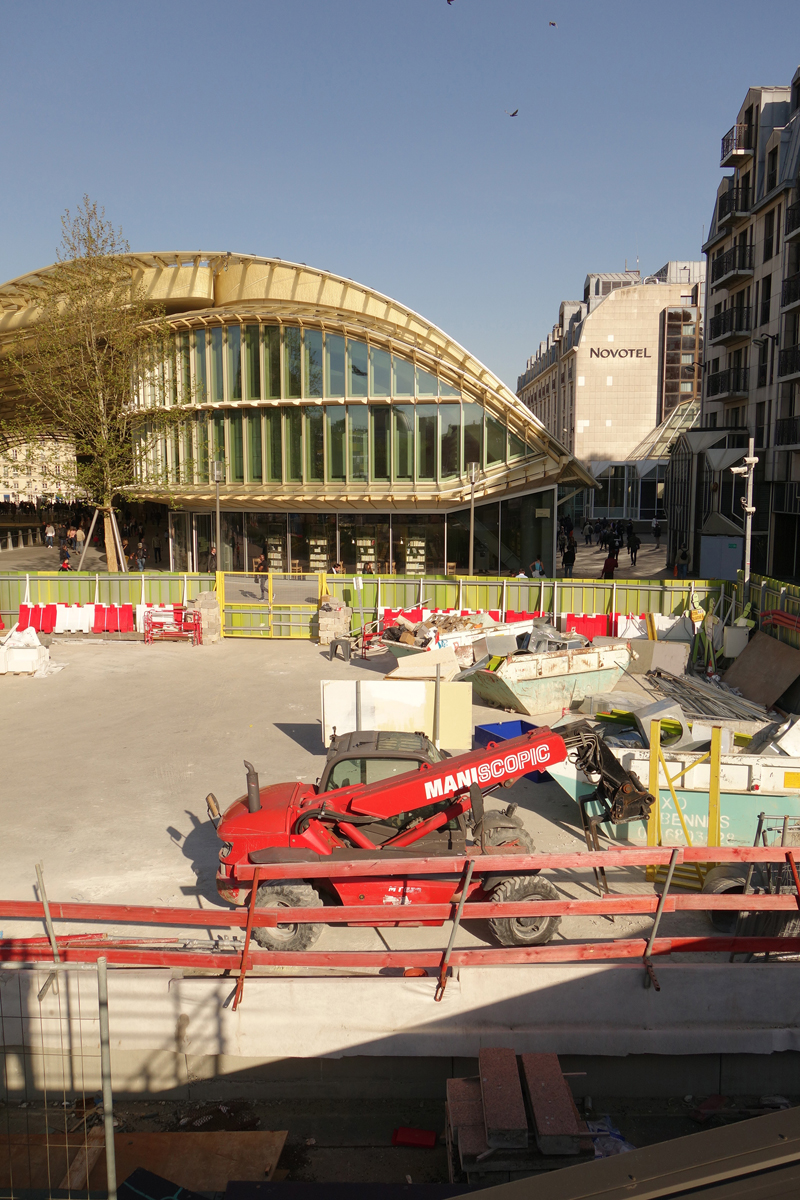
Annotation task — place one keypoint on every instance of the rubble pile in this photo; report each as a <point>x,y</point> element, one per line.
<point>334,620</point>
<point>422,633</point>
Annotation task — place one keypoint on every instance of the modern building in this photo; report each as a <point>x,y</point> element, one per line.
<point>348,426</point>
<point>620,365</point>
<point>753,305</point>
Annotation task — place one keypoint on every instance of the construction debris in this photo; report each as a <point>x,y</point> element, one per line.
<point>699,698</point>
<point>334,620</point>
<point>764,669</point>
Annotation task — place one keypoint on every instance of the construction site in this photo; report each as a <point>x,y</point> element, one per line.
<point>583,795</point>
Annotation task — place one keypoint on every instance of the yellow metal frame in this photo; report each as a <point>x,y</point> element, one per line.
<point>689,876</point>
<point>280,616</point>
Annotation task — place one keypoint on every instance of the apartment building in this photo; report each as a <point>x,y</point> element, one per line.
<point>752,384</point>
<point>619,366</point>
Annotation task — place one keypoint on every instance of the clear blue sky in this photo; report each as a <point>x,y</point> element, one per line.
<point>369,138</point>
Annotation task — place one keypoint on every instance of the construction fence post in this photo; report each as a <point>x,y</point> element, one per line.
<point>105,1071</point>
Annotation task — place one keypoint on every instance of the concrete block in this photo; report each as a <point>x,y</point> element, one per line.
<point>557,1126</point>
<point>661,656</point>
<point>503,1106</point>
<point>464,1104</point>
<point>471,1144</point>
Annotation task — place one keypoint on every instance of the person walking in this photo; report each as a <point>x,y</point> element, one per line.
<point>683,562</point>
<point>657,533</point>
<point>569,559</point>
<point>587,532</point>
<point>261,567</point>
<point>141,555</point>
<point>49,534</point>
<point>634,542</point>
<point>537,569</point>
<point>608,567</point>
<point>212,559</point>
<point>80,540</point>
<point>156,541</point>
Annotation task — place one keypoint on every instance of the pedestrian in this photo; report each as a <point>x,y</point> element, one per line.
<point>65,564</point>
<point>634,542</point>
<point>537,569</point>
<point>141,555</point>
<point>49,534</point>
<point>156,541</point>
<point>80,539</point>
<point>212,559</point>
<point>683,562</point>
<point>569,559</point>
<point>71,532</point>
<point>657,533</point>
<point>608,567</point>
<point>520,574</point>
<point>562,540</point>
<point>587,532</point>
<point>261,567</point>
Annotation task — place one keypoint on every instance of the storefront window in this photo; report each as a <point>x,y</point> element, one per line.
<point>524,536</point>
<point>253,361</point>
<point>254,462</point>
<point>451,439</point>
<point>291,362</point>
<point>403,441</point>
<point>485,559</point>
<point>418,544</point>
<point>334,365</point>
<point>202,528</point>
<point>364,543</point>
<point>315,456</point>
<point>235,361</point>
<point>266,534</point>
<point>473,434</point>
<point>403,377</point>
<point>200,370</point>
<point>312,362</point>
<point>426,441</point>
<point>236,448</point>
<point>380,364</point>
<point>313,540</point>
<point>293,430</point>
<point>272,362</point>
<point>358,419</point>
<point>217,374</point>
<point>381,417</point>
<point>272,445</point>
<point>336,419</point>
<point>232,557</point>
<point>357,368</point>
<point>181,559</point>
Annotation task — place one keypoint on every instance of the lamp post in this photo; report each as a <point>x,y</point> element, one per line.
<point>747,504</point>
<point>218,473</point>
<point>473,470</point>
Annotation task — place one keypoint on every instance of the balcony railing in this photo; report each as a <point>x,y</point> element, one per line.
<point>736,261</point>
<point>792,220</point>
<point>787,431</point>
<point>737,142</point>
<point>789,361</point>
<point>790,291</point>
<point>735,200</point>
<point>729,323</point>
<point>733,381</point>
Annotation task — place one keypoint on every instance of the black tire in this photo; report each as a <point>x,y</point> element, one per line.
<point>524,931</point>
<point>500,835</point>
<point>292,894</point>
<point>731,880</point>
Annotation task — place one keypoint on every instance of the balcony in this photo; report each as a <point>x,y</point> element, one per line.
<point>733,204</point>
<point>792,226</point>
<point>733,265</point>
<point>737,145</point>
<point>787,431</point>
<point>789,362</point>
<point>730,325</point>
<point>790,292</point>
<point>733,381</point>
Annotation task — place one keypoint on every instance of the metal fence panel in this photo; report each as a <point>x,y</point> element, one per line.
<point>66,587</point>
<point>270,605</point>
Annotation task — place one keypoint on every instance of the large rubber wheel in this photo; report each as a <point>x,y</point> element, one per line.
<point>287,895</point>
<point>503,836</point>
<point>728,880</point>
<point>523,931</point>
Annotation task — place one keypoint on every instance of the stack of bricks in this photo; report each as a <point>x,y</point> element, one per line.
<point>334,620</point>
<point>494,1136</point>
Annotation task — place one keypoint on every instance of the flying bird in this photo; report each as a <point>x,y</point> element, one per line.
<point>516,110</point>
<point>549,22</point>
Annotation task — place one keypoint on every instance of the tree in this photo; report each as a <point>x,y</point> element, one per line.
<point>95,370</point>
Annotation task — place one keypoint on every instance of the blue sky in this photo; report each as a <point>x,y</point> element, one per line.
<point>369,138</point>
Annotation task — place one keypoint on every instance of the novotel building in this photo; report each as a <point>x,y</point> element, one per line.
<point>619,377</point>
<point>349,428</point>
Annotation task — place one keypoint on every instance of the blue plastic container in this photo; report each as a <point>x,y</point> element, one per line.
<point>503,731</point>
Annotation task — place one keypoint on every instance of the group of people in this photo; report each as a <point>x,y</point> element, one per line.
<point>70,535</point>
<point>610,536</point>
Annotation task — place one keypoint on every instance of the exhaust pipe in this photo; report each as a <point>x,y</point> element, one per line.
<point>253,797</point>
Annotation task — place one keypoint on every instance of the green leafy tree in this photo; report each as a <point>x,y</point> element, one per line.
<point>94,372</point>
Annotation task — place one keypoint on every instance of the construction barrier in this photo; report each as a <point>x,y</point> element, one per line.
<point>19,588</point>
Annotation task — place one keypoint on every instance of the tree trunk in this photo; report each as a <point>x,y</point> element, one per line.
<point>111,550</point>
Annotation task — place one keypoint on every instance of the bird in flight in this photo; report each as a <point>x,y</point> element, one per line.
<point>516,110</point>
<point>549,22</point>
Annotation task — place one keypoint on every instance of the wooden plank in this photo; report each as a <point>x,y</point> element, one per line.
<point>505,1119</point>
<point>197,1161</point>
<point>556,1123</point>
<point>83,1163</point>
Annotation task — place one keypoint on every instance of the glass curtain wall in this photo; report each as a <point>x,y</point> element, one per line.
<point>364,543</point>
<point>418,544</point>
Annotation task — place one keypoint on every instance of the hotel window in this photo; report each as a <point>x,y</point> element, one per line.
<point>769,234</point>
<point>766,299</point>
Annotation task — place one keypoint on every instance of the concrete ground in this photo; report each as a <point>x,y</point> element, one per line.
<point>106,766</point>
<point>651,563</point>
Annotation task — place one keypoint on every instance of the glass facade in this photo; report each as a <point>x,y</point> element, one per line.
<point>361,413</point>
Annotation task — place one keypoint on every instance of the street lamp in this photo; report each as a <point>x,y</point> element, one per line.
<point>747,504</point>
<point>473,471</point>
<point>218,475</point>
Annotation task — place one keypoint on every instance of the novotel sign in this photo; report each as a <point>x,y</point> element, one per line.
<point>607,352</point>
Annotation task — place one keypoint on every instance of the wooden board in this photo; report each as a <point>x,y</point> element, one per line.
<point>37,1160</point>
<point>764,670</point>
<point>197,1161</point>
